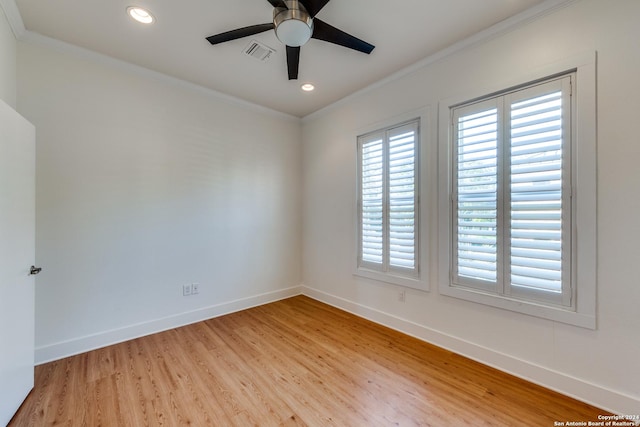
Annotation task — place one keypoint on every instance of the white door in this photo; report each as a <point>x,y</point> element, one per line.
<point>17,254</point>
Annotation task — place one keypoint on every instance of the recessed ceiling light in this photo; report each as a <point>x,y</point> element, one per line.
<point>307,87</point>
<point>140,14</point>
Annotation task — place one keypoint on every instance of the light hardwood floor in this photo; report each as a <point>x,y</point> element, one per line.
<point>293,362</point>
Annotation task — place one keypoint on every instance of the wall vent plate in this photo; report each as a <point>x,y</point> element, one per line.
<point>258,50</point>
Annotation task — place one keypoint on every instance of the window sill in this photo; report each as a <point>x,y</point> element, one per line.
<point>408,282</point>
<point>558,314</point>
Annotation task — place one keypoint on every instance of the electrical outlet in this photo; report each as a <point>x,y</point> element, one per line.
<point>186,290</point>
<point>195,288</point>
<point>401,295</point>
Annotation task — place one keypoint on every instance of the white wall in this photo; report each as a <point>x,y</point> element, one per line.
<point>144,184</point>
<point>7,62</point>
<point>600,366</point>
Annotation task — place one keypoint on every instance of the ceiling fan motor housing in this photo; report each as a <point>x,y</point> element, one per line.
<point>293,25</point>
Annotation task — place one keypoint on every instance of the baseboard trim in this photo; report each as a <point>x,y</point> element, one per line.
<point>606,399</point>
<point>80,345</point>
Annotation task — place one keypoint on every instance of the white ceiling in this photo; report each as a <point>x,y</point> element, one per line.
<point>403,32</point>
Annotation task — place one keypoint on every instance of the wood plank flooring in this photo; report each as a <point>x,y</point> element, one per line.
<point>294,362</point>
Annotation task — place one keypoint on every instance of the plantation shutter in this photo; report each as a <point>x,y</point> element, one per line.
<point>511,193</point>
<point>372,201</point>
<point>388,202</point>
<point>539,192</point>
<point>402,196</point>
<point>476,195</point>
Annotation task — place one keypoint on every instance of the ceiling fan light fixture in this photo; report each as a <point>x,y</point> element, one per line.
<point>294,27</point>
<point>140,14</point>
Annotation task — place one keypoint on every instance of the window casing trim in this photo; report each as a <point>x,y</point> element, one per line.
<point>583,194</point>
<point>424,154</point>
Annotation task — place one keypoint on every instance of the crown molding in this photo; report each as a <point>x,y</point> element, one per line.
<point>14,18</point>
<point>516,21</point>
<point>38,39</point>
<point>22,34</point>
<point>549,6</point>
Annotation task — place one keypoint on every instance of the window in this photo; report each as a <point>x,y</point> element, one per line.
<point>388,201</point>
<point>512,193</point>
<point>512,199</point>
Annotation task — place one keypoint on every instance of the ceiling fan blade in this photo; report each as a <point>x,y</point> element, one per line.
<point>314,6</point>
<point>277,3</point>
<point>327,33</point>
<point>293,61</point>
<point>240,33</point>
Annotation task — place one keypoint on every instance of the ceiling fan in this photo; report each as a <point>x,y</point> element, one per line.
<point>295,23</point>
